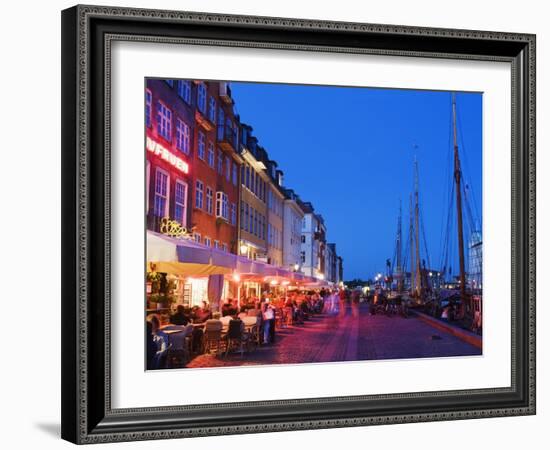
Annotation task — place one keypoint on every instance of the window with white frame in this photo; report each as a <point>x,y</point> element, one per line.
<point>201,98</point>
<point>220,162</point>
<point>180,202</point>
<point>197,237</point>
<point>182,136</point>
<point>211,154</point>
<point>148,107</point>
<point>246,218</point>
<point>233,214</point>
<point>222,205</point>
<point>184,90</point>
<point>164,121</point>
<point>199,192</point>
<point>207,241</point>
<point>224,247</point>
<point>209,200</point>
<point>201,145</point>
<point>212,110</point>
<point>160,206</point>
<point>227,168</point>
<point>217,244</point>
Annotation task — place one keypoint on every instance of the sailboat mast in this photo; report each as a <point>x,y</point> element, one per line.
<point>411,242</point>
<point>417,228</point>
<point>399,271</point>
<point>458,176</point>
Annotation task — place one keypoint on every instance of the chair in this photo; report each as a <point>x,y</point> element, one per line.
<point>179,353</point>
<point>236,336</point>
<point>213,335</point>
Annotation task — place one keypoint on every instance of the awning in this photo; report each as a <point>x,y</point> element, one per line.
<point>186,257</point>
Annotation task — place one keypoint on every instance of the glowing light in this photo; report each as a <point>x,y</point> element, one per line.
<point>167,155</point>
<point>244,249</point>
<point>296,267</point>
<point>274,282</point>
<point>285,283</point>
<point>321,276</point>
<point>236,277</point>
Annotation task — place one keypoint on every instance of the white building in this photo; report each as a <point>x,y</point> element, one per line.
<point>313,241</point>
<point>292,230</point>
<point>475,261</point>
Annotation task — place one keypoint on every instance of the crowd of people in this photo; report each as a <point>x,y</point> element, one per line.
<point>270,311</point>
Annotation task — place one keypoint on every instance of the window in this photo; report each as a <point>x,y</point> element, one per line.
<point>170,83</point>
<point>184,90</point>
<point>227,168</point>
<point>303,257</point>
<point>201,146</point>
<point>242,215</point>
<point>269,234</point>
<point>233,214</point>
<point>222,205</point>
<point>197,237</point>
<point>303,239</point>
<point>211,154</point>
<point>217,244</point>
<point>207,241</point>
<point>221,121</point>
<point>212,110</point>
<point>209,200</point>
<point>235,173</point>
<point>246,218</point>
<point>199,191</point>
<point>224,247</point>
<point>246,177</point>
<point>160,207</point>
<point>182,136</point>
<point>180,202</point>
<point>201,98</point>
<point>220,162</point>
<point>164,121</point>
<point>148,107</point>
<point>255,223</point>
<point>252,180</point>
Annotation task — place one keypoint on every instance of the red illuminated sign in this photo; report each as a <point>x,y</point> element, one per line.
<point>167,155</point>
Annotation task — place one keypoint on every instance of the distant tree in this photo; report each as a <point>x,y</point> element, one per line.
<point>357,282</point>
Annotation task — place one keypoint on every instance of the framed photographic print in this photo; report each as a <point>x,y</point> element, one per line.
<point>282,224</point>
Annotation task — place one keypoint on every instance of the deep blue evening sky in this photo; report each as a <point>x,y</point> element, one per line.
<point>350,152</point>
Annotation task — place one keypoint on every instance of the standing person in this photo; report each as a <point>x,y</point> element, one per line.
<point>268,321</point>
<point>342,303</point>
<point>355,297</point>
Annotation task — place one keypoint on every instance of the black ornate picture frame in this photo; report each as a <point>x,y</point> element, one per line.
<point>87,35</point>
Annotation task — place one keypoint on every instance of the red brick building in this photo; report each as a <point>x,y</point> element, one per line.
<point>192,166</point>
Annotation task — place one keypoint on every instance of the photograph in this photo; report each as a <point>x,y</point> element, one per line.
<point>302,224</point>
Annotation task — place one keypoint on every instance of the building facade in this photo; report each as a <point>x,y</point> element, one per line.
<point>313,241</point>
<point>292,231</point>
<point>275,211</point>
<point>193,166</point>
<point>253,193</point>
<point>475,261</point>
<point>331,271</point>
<point>169,147</point>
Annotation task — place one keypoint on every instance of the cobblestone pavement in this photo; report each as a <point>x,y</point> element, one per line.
<point>352,336</point>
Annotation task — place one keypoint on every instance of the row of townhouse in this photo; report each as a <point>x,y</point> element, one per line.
<point>207,171</point>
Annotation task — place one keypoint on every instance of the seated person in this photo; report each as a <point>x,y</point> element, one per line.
<point>180,317</point>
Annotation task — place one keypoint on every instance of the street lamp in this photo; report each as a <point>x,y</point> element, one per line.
<point>244,249</point>
<point>296,267</point>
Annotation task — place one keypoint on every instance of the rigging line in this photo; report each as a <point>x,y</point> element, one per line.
<point>464,155</point>
<point>447,178</point>
<point>471,221</point>
<point>450,204</point>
